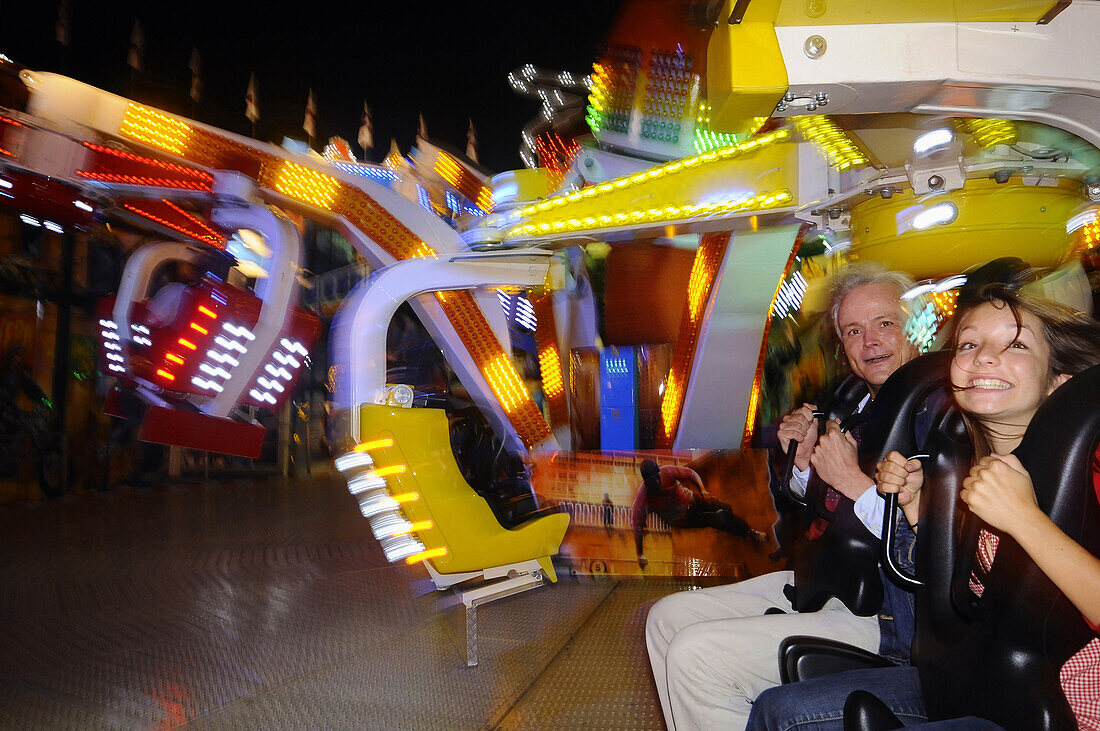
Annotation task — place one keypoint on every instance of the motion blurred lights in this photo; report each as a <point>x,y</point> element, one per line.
<point>931,140</point>
<point>29,220</point>
<point>304,184</point>
<point>950,283</point>
<point>837,246</point>
<point>937,215</point>
<point>990,132</point>
<point>380,174</point>
<point>430,553</point>
<point>839,149</point>
<point>148,125</point>
<point>762,201</point>
<point>789,297</point>
<point>1081,220</point>
<point>423,197</point>
<point>353,460</point>
<point>676,167</point>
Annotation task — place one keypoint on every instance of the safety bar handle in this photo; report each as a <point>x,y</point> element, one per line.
<point>889,538</point>
<point>788,467</point>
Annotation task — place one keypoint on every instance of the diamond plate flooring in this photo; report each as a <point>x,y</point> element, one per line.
<point>266,603</point>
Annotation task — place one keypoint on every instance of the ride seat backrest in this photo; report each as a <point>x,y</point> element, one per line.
<point>951,453</point>
<point>165,304</point>
<point>1004,663</point>
<point>843,562</point>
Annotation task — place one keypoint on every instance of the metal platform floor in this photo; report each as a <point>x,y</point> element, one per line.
<point>265,603</point>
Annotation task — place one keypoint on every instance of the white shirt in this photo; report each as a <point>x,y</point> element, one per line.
<point>870,507</point>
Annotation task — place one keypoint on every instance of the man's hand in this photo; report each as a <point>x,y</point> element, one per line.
<point>835,458</point>
<point>798,426</point>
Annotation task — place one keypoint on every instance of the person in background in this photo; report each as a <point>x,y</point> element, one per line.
<point>678,495</point>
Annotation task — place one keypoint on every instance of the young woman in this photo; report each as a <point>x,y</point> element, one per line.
<point>1011,352</point>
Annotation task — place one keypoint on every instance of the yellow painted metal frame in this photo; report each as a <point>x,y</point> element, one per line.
<point>461,521</point>
<point>690,190</point>
<point>862,12</point>
<point>994,220</point>
<point>746,74</point>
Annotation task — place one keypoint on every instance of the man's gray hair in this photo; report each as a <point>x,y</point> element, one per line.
<point>858,274</point>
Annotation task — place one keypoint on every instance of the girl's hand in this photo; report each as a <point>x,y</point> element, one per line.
<point>999,491</point>
<point>895,474</point>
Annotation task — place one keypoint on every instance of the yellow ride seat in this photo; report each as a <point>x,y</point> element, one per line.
<point>461,520</point>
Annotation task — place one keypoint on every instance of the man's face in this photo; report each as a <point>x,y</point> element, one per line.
<point>872,330</point>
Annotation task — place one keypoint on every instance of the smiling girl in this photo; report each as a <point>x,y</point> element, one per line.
<point>1011,352</point>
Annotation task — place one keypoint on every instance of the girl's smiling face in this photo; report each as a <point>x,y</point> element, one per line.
<point>1001,369</point>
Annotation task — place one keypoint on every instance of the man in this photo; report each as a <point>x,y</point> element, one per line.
<point>678,495</point>
<point>713,651</point>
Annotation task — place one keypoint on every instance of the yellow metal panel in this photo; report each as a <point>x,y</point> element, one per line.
<point>529,184</point>
<point>713,184</point>
<point>461,520</point>
<point>858,12</point>
<point>993,220</point>
<point>746,75</point>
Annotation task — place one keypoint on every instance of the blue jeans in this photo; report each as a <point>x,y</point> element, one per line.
<point>818,704</point>
<point>896,620</point>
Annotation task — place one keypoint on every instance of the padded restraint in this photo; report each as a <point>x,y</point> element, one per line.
<point>1000,656</point>
<point>843,562</point>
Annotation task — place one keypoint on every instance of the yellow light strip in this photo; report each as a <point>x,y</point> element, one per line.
<point>376,444</point>
<point>708,260</point>
<point>553,381</point>
<point>306,185</point>
<point>504,381</point>
<point>946,302</point>
<point>422,250</point>
<point>681,167</point>
<point>758,377</point>
<point>425,555</point>
<point>839,149</point>
<point>396,469</point>
<point>495,366</point>
<point>464,181</point>
<point>406,497</point>
<point>699,283</point>
<point>550,365</point>
<point>413,528</point>
<point>600,83</point>
<point>154,128</point>
<point>688,211</point>
<point>990,132</point>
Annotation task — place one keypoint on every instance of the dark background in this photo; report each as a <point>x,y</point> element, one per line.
<point>448,61</point>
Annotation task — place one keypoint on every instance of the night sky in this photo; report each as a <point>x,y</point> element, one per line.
<point>447,60</point>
